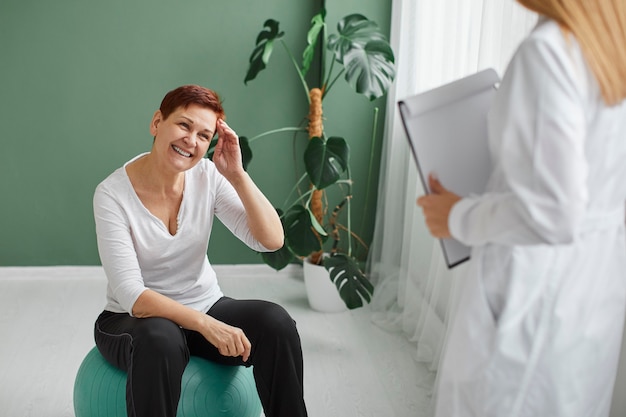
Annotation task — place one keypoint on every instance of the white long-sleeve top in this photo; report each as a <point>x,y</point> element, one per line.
<point>138,252</point>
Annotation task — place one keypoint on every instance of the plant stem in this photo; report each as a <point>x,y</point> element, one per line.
<point>296,187</point>
<point>354,235</point>
<point>323,51</point>
<point>349,197</point>
<point>294,153</point>
<point>295,64</point>
<point>330,71</point>
<point>271,132</point>
<point>327,77</point>
<point>334,80</point>
<point>369,170</point>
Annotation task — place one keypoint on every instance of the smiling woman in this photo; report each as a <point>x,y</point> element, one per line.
<point>153,221</point>
<point>182,128</point>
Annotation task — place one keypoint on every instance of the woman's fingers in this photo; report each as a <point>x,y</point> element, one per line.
<point>436,212</point>
<point>241,347</point>
<point>226,133</point>
<point>436,207</point>
<point>245,349</point>
<point>435,185</point>
<point>229,340</point>
<point>236,345</point>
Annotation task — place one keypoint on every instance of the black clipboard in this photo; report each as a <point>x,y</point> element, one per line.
<point>446,128</point>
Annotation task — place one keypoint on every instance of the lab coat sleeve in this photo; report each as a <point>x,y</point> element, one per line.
<point>542,156</point>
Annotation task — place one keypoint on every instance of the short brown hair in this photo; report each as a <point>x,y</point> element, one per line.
<point>186,95</point>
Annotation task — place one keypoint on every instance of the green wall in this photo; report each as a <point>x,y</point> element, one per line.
<point>80,80</point>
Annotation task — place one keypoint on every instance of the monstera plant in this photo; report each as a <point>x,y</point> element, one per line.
<point>360,53</point>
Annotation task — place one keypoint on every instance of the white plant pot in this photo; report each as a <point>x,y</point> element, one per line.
<point>321,291</point>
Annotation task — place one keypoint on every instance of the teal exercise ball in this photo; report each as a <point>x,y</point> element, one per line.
<point>208,389</point>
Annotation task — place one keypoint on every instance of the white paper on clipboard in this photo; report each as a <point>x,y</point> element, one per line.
<point>447,131</point>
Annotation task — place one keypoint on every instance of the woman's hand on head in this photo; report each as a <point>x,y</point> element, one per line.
<point>436,207</point>
<point>229,340</point>
<point>227,154</point>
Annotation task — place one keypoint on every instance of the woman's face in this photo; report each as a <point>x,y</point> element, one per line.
<point>182,139</point>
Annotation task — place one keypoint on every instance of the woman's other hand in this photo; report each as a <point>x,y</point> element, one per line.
<point>436,207</point>
<point>229,340</point>
<point>263,220</point>
<point>227,154</point>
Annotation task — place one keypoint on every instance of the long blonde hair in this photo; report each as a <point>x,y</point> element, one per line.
<point>599,26</point>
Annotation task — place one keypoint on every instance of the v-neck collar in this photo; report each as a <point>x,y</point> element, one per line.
<point>160,222</point>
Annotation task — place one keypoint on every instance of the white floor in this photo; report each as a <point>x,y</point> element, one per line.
<point>352,368</point>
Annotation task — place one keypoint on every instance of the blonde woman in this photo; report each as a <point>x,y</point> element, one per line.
<point>539,321</point>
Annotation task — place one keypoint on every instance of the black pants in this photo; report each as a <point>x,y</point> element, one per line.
<point>155,351</point>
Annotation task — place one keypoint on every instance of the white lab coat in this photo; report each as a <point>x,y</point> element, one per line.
<point>539,319</point>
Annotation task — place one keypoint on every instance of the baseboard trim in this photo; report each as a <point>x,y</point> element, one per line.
<point>96,271</point>
<point>291,270</point>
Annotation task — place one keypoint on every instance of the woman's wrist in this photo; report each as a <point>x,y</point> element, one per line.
<point>238,179</point>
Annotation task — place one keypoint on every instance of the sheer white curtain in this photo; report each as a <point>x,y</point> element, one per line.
<point>436,41</point>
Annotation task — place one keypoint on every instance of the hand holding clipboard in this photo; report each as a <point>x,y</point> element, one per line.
<point>447,131</point>
<point>437,206</point>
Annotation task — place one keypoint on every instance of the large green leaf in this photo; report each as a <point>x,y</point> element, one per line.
<point>370,69</point>
<point>263,50</point>
<point>300,231</point>
<point>353,286</point>
<point>353,31</point>
<point>365,54</point>
<point>246,151</point>
<point>278,259</point>
<point>283,256</point>
<point>317,24</point>
<point>326,161</point>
